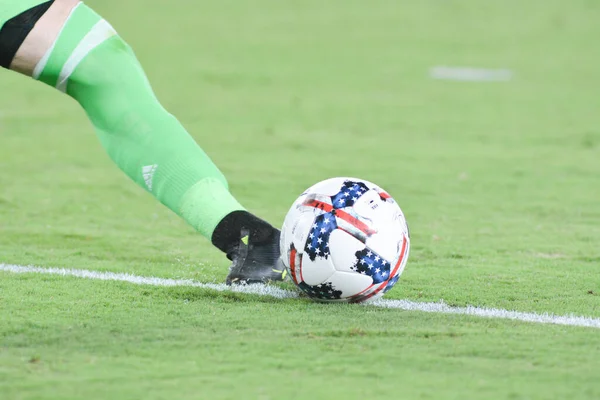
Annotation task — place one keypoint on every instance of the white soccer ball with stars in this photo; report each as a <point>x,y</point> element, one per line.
<point>345,240</point>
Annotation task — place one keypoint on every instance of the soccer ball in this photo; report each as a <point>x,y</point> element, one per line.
<point>345,240</point>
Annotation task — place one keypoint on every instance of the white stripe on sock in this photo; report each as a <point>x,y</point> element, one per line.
<point>95,37</point>
<point>39,67</point>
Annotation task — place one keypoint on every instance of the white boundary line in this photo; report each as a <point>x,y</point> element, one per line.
<point>266,290</point>
<point>470,74</point>
<point>263,290</point>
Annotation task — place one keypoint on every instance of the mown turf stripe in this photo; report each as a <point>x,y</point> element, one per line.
<point>265,290</point>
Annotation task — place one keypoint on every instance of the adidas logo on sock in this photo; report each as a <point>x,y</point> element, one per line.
<point>148,173</point>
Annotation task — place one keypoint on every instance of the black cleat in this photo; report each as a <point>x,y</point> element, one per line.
<point>255,262</point>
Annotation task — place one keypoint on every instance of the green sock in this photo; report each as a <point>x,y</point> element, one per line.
<point>92,64</point>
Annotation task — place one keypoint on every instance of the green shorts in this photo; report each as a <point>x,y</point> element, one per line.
<point>12,8</point>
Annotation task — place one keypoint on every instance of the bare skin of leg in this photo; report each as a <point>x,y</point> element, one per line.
<point>42,36</point>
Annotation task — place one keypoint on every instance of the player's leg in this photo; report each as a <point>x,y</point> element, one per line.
<point>65,44</point>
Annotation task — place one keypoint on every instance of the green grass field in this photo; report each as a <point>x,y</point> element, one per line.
<point>498,180</point>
